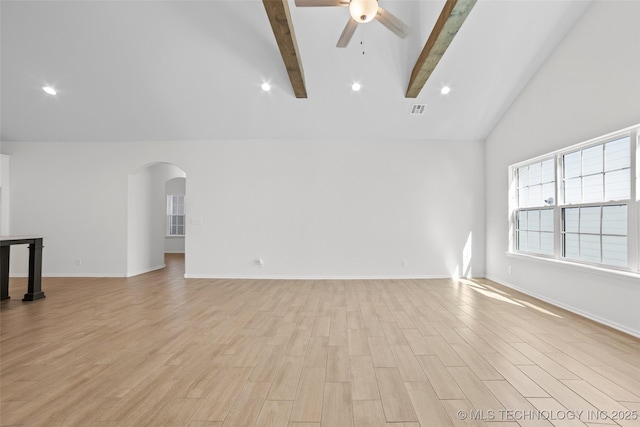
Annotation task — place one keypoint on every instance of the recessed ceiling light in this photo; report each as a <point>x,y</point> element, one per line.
<point>266,87</point>
<point>445,90</point>
<point>49,90</point>
<point>355,87</point>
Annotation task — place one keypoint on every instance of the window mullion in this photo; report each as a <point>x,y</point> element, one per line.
<point>557,209</point>
<point>633,208</point>
<point>601,230</point>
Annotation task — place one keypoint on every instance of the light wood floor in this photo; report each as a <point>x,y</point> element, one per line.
<point>160,350</point>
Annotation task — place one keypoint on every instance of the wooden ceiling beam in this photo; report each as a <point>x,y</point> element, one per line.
<point>280,19</point>
<point>447,26</point>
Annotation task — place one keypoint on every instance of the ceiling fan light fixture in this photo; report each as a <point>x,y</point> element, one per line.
<point>363,11</point>
<point>265,87</point>
<point>356,87</point>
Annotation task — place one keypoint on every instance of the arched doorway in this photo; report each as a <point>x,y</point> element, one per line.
<point>147,220</point>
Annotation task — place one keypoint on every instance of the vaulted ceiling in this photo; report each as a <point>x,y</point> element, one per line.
<point>192,70</point>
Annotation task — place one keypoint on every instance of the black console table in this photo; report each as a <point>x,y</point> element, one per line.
<point>34,287</point>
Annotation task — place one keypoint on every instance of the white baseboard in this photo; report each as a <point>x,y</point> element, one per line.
<point>267,277</point>
<point>22,276</point>
<point>148,270</point>
<point>580,312</point>
<point>157,267</point>
<point>83,275</point>
<point>241,277</point>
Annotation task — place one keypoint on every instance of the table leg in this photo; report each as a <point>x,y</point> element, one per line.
<point>4,272</point>
<point>34,290</point>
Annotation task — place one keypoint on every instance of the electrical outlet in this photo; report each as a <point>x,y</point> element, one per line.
<point>78,262</point>
<point>259,262</point>
<point>509,269</point>
<point>403,263</point>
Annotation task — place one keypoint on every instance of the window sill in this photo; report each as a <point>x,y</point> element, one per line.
<point>171,236</point>
<point>603,271</point>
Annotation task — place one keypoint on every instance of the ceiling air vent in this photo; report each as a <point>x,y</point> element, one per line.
<point>417,109</point>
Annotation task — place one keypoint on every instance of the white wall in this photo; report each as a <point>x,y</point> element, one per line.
<point>588,87</point>
<point>147,217</point>
<point>139,227</point>
<point>313,208</point>
<point>75,195</point>
<point>335,208</point>
<point>5,191</point>
<point>175,244</point>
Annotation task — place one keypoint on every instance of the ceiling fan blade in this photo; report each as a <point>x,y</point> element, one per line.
<point>347,33</point>
<point>390,21</point>
<point>319,3</point>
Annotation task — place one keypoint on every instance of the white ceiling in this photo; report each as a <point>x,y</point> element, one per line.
<point>192,70</point>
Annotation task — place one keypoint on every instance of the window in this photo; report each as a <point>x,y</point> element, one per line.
<point>580,204</point>
<point>595,231</point>
<point>535,231</point>
<point>175,214</point>
<point>596,234</point>
<point>536,184</point>
<point>536,189</point>
<point>598,173</point>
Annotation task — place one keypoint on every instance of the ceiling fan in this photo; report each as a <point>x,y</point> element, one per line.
<point>361,11</point>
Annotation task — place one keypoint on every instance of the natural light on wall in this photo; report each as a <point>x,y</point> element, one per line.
<point>467,256</point>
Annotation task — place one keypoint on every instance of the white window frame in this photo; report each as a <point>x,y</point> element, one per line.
<point>516,199</point>
<point>633,204</point>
